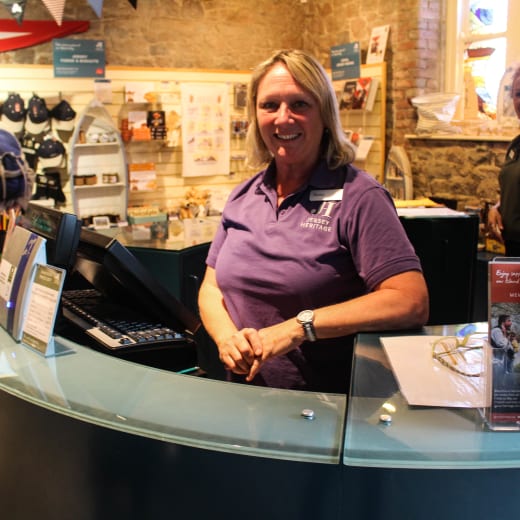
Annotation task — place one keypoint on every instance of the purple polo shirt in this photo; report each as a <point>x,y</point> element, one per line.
<point>334,239</point>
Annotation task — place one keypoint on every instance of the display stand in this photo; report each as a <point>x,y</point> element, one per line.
<point>504,334</point>
<point>98,166</point>
<point>44,299</point>
<point>369,123</point>
<point>22,251</point>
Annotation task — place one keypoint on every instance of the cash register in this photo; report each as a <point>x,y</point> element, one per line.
<point>110,301</point>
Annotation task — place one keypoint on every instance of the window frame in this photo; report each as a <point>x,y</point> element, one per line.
<point>456,16</point>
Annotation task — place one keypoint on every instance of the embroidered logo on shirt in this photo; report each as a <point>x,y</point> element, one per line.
<point>321,220</point>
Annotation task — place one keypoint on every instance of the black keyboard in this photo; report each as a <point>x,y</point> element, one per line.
<point>115,327</point>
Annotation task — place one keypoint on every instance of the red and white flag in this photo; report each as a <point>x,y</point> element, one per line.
<point>18,36</point>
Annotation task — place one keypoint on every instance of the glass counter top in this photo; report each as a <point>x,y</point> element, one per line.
<point>182,234</point>
<point>417,436</point>
<point>188,410</point>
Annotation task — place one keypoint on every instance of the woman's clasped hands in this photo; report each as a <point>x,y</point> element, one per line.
<point>247,349</point>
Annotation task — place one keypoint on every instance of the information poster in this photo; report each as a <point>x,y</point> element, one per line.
<point>345,61</point>
<point>205,129</point>
<point>504,336</point>
<point>78,58</point>
<point>22,251</point>
<point>43,304</point>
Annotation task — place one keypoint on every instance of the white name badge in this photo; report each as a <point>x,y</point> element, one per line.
<point>322,195</point>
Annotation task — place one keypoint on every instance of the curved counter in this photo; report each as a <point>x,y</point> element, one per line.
<point>89,436</point>
<point>419,436</point>
<point>181,409</point>
<point>104,437</point>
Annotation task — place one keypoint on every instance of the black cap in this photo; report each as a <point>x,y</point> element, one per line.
<point>37,110</point>
<point>14,108</point>
<point>63,111</point>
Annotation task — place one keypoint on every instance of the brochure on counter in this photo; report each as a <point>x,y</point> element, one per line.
<point>504,337</point>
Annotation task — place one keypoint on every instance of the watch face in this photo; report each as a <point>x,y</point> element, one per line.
<point>305,316</point>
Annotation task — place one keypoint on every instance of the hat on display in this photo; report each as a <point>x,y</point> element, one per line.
<point>13,114</point>
<point>63,116</point>
<point>16,176</point>
<point>37,120</point>
<point>50,153</point>
<point>30,145</point>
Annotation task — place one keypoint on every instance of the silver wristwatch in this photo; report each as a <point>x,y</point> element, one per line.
<point>306,319</point>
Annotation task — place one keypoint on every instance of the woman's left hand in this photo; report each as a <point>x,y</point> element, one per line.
<point>276,340</point>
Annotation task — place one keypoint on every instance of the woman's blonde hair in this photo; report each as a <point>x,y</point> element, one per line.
<point>310,75</point>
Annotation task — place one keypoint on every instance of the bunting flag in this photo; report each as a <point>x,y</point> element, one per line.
<point>55,7</point>
<point>97,5</point>
<point>134,3</point>
<point>16,8</point>
<point>18,36</point>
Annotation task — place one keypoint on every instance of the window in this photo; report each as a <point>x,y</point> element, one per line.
<point>480,46</point>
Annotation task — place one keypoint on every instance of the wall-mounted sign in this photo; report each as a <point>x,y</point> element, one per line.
<point>345,61</point>
<point>78,58</point>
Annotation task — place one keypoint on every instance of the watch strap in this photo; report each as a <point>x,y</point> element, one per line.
<point>310,331</point>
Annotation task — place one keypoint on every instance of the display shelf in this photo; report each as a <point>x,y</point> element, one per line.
<point>97,145</point>
<point>97,150</point>
<point>100,186</point>
<point>370,123</point>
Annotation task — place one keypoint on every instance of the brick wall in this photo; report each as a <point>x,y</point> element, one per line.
<point>412,51</point>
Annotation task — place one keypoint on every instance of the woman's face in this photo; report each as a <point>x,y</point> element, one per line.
<point>516,96</point>
<point>289,120</point>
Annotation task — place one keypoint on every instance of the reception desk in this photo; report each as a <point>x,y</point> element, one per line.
<point>430,462</point>
<point>89,436</point>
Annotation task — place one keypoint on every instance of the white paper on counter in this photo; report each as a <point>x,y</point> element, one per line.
<point>429,212</point>
<point>425,382</point>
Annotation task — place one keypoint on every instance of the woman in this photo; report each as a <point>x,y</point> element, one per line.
<point>504,217</point>
<point>308,233</point>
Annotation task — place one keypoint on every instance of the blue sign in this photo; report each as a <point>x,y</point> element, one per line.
<point>345,61</point>
<point>78,58</point>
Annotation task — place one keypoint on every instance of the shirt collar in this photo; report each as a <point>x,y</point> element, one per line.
<point>322,176</point>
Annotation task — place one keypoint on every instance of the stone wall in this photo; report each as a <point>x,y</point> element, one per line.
<point>464,171</point>
<point>237,34</point>
<point>200,34</point>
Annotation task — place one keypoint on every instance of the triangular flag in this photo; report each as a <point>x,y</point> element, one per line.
<point>134,3</point>
<point>19,36</point>
<point>16,8</point>
<point>56,8</point>
<point>97,5</point>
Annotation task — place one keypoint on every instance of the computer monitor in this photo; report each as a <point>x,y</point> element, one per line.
<point>61,231</point>
<point>113,270</point>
